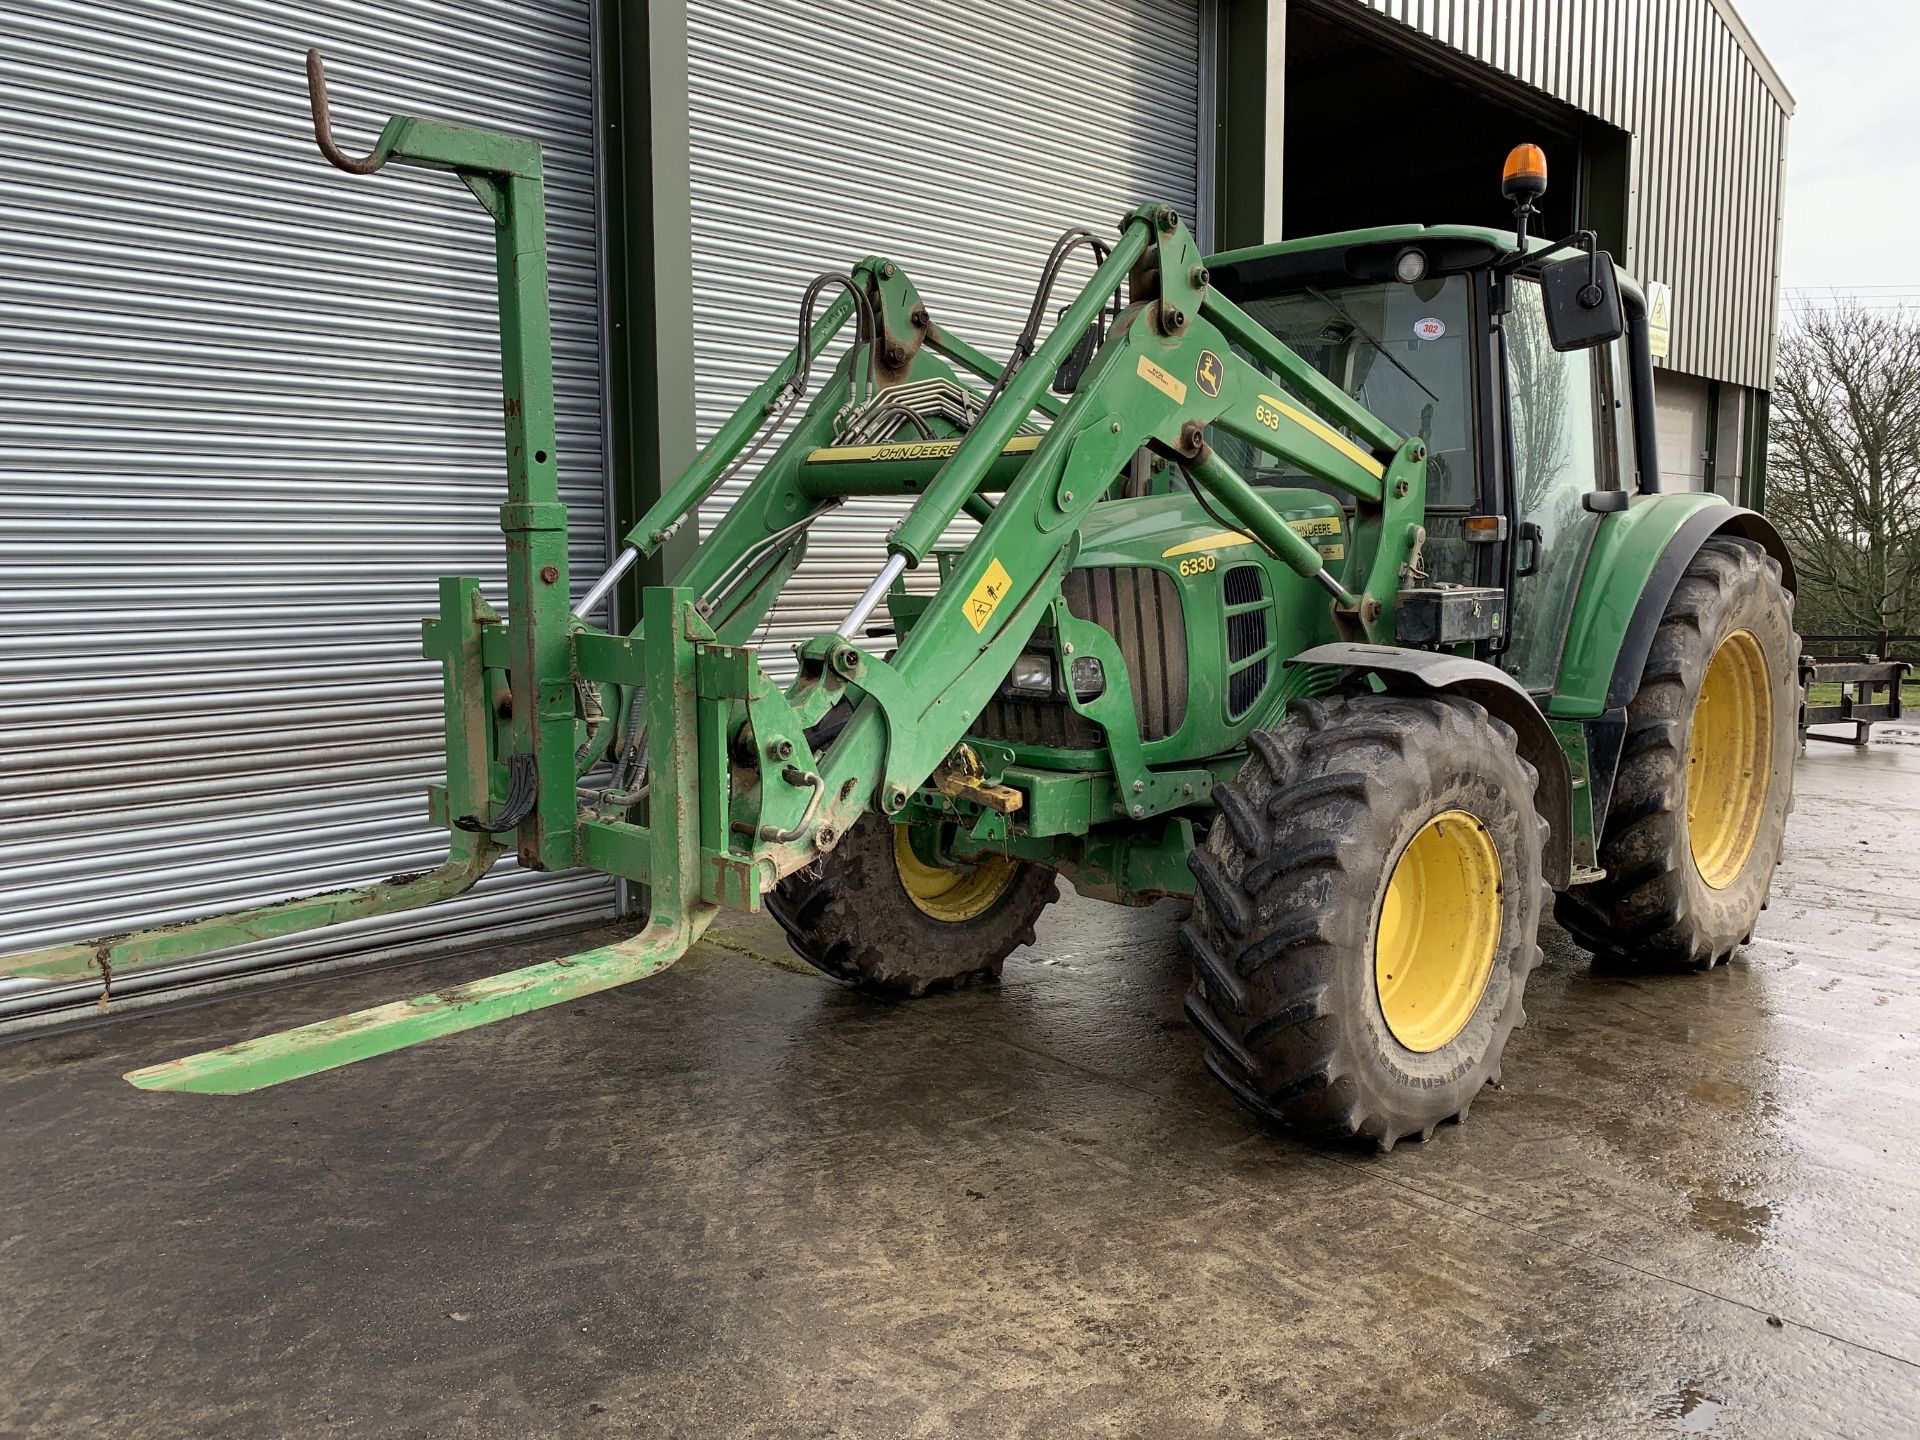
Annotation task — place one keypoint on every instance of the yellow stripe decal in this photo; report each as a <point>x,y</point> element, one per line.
<point>1317,427</point>
<point>1220,540</point>
<point>914,450</point>
<point>1315,527</point>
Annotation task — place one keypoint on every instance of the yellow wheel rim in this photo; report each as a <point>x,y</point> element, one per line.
<point>1439,928</point>
<point>1729,764</point>
<point>952,895</point>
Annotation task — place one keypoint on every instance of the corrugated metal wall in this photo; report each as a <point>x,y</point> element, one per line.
<point>961,148</point>
<point>250,413</point>
<point>1709,124</point>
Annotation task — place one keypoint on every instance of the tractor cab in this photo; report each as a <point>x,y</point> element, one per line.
<point>1510,359</point>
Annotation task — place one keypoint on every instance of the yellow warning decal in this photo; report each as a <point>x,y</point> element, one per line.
<point>1161,380</point>
<point>988,594</point>
<point>1317,527</point>
<point>914,450</point>
<point>1319,428</point>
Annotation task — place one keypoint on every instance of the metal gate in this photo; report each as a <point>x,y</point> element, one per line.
<point>958,137</point>
<point>250,411</point>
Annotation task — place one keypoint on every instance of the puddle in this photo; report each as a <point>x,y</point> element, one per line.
<point>1730,1219</point>
<point>1690,1411</point>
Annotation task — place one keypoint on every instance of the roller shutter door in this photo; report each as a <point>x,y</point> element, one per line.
<point>250,413</point>
<point>956,137</point>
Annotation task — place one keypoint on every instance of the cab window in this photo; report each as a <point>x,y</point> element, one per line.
<point>1405,352</point>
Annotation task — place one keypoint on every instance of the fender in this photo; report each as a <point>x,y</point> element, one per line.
<point>1635,564</point>
<point>1501,696</point>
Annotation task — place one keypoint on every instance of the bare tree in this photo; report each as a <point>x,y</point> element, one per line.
<point>1844,465</point>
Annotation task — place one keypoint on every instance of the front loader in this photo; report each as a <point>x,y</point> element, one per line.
<point>1326,583</point>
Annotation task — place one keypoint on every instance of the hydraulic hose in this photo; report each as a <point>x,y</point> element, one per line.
<point>961,476</point>
<point>1042,292</point>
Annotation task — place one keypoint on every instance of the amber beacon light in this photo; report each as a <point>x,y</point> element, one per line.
<point>1524,177</point>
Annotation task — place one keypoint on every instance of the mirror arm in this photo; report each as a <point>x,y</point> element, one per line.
<point>1527,260</point>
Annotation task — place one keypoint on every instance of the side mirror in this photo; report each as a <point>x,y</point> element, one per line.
<point>1582,295</point>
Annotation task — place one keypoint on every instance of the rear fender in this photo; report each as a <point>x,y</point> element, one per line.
<point>1636,562</point>
<point>1427,671</point>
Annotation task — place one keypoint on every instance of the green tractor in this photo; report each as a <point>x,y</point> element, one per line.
<point>1327,583</point>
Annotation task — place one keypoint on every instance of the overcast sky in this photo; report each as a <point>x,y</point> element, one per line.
<point>1853,145</point>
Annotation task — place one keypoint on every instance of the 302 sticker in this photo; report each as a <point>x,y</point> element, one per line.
<point>1198,564</point>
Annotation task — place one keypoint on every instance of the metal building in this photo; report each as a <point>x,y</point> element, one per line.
<point>219,358</point>
<point>1676,124</point>
<point>214,348</point>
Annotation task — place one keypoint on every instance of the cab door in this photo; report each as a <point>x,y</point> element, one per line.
<point>1557,452</point>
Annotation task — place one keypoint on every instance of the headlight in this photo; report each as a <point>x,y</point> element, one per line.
<point>1089,678</point>
<point>1410,265</point>
<point>1032,675</point>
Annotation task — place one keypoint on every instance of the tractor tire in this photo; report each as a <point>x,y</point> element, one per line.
<point>874,916</point>
<point>1698,814</point>
<point>1366,915</point>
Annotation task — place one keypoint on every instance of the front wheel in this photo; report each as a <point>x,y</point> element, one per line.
<point>878,915</point>
<point>1365,918</point>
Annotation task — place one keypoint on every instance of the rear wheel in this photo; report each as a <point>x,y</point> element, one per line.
<point>1699,807</point>
<point>1365,918</point>
<point>878,915</point>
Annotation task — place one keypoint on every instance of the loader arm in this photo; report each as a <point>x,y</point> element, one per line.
<point>734,795</point>
<point>1165,372</point>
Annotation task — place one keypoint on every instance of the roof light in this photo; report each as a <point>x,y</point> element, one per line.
<point>1525,174</point>
<point>1410,265</point>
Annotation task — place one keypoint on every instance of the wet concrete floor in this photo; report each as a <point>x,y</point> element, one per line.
<point>734,1200</point>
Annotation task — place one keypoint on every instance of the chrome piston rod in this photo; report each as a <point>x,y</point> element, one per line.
<point>857,617</point>
<point>622,563</point>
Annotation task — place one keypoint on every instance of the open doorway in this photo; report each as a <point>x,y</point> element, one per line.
<point>1384,126</point>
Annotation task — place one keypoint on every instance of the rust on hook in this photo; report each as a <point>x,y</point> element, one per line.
<point>323,124</point>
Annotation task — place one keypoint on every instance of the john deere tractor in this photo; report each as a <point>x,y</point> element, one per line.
<point>1328,583</point>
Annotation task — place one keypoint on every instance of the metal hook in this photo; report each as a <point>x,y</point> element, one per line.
<point>323,124</point>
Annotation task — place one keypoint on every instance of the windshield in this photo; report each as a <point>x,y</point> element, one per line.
<point>1403,351</point>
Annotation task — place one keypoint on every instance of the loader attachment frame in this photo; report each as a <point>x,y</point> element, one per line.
<point>742,786</point>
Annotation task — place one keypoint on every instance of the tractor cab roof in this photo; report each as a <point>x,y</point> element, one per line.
<point>1359,257</point>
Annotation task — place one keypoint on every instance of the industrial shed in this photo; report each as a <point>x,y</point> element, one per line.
<point>1667,128</point>
<point>222,357</point>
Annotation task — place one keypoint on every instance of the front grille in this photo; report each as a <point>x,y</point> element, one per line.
<point>1246,635</point>
<point>1246,638</point>
<point>1141,609</point>
<point>1018,720</point>
<point>1242,585</point>
<point>1244,687</point>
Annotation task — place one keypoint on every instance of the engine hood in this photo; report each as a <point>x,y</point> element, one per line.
<point>1164,528</point>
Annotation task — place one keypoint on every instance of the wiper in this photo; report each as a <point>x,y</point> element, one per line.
<point>1367,335</point>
